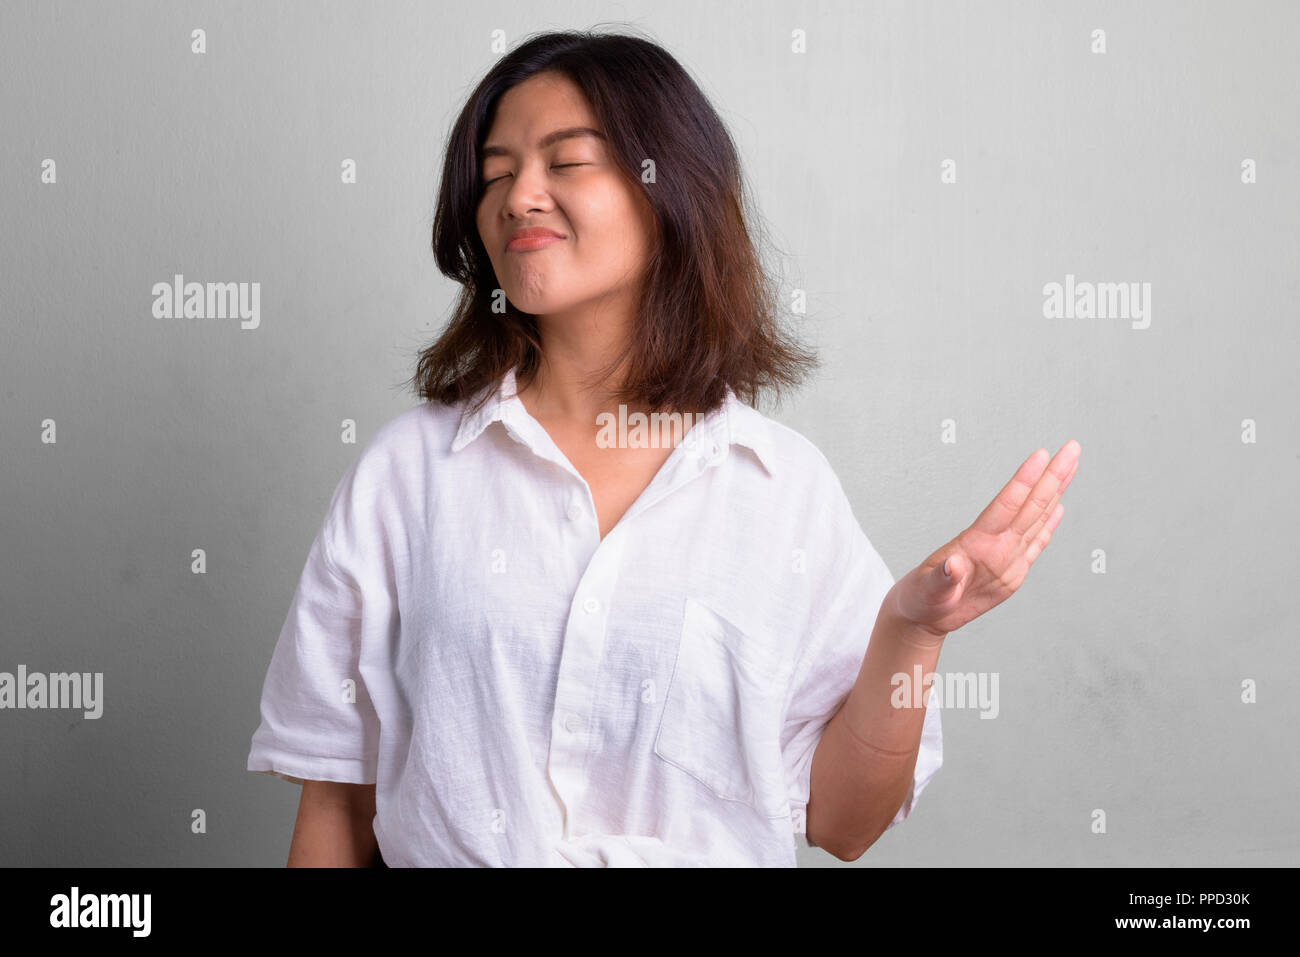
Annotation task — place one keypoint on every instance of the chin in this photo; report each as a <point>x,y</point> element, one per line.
<point>529,304</point>
<point>539,305</point>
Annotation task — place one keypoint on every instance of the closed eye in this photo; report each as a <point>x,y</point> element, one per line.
<point>559,166</point>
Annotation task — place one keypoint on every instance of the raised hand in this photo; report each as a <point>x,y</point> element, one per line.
<point>988,561</point>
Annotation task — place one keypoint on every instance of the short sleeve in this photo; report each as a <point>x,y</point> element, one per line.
<point>852,586</point>
<point>317,719</point>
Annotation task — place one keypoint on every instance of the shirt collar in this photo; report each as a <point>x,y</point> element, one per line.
<point>734,422</point>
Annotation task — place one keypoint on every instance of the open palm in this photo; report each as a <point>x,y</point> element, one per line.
<point>989,560</point>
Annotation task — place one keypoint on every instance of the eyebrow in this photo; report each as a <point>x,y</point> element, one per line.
<point>569,132</point>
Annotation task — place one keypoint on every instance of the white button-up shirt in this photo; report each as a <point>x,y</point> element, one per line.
<point>524,693</point>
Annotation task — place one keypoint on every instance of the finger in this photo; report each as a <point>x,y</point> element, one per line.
<point>1042,499</point>
<point>998,514</point>
<point>1069,478</point>
<point>1044,536</point>
<point>1049,510</point>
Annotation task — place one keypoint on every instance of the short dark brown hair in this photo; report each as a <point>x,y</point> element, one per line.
<point>709,316</point>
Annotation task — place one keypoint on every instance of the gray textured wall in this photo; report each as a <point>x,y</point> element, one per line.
<point>1119,691</point>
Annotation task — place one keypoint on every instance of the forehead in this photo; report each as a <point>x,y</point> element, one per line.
<point>539,105</point>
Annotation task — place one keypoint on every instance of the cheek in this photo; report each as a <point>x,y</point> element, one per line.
<point>490,237</point>
<point>610,225</point>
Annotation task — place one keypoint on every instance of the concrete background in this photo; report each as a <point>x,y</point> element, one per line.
<point>1120,691</point>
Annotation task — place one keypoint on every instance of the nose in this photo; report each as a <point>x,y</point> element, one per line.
<point>526,192</point>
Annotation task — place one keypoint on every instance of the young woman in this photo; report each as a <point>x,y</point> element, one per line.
<point>532,631</point>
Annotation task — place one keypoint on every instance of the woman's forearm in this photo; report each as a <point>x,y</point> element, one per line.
<point>335,826</point>
<point>862,767</point>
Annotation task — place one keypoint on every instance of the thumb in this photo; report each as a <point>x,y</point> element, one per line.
<point>922,592</point>
<point>947,576</point>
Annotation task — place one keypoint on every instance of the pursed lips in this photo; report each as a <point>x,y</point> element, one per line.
<point>530,238</point>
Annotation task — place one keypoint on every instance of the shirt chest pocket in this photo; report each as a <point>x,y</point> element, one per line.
<point>722,713</point>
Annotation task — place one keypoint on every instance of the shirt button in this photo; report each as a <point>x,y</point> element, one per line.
<point>591,606</point>
<point>572,723</point>
<point>574,511</point>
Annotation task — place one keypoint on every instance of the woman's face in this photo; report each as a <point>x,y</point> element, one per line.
<point>569,185</point>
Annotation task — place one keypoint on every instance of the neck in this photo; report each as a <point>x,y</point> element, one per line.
<point>575,349</point>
